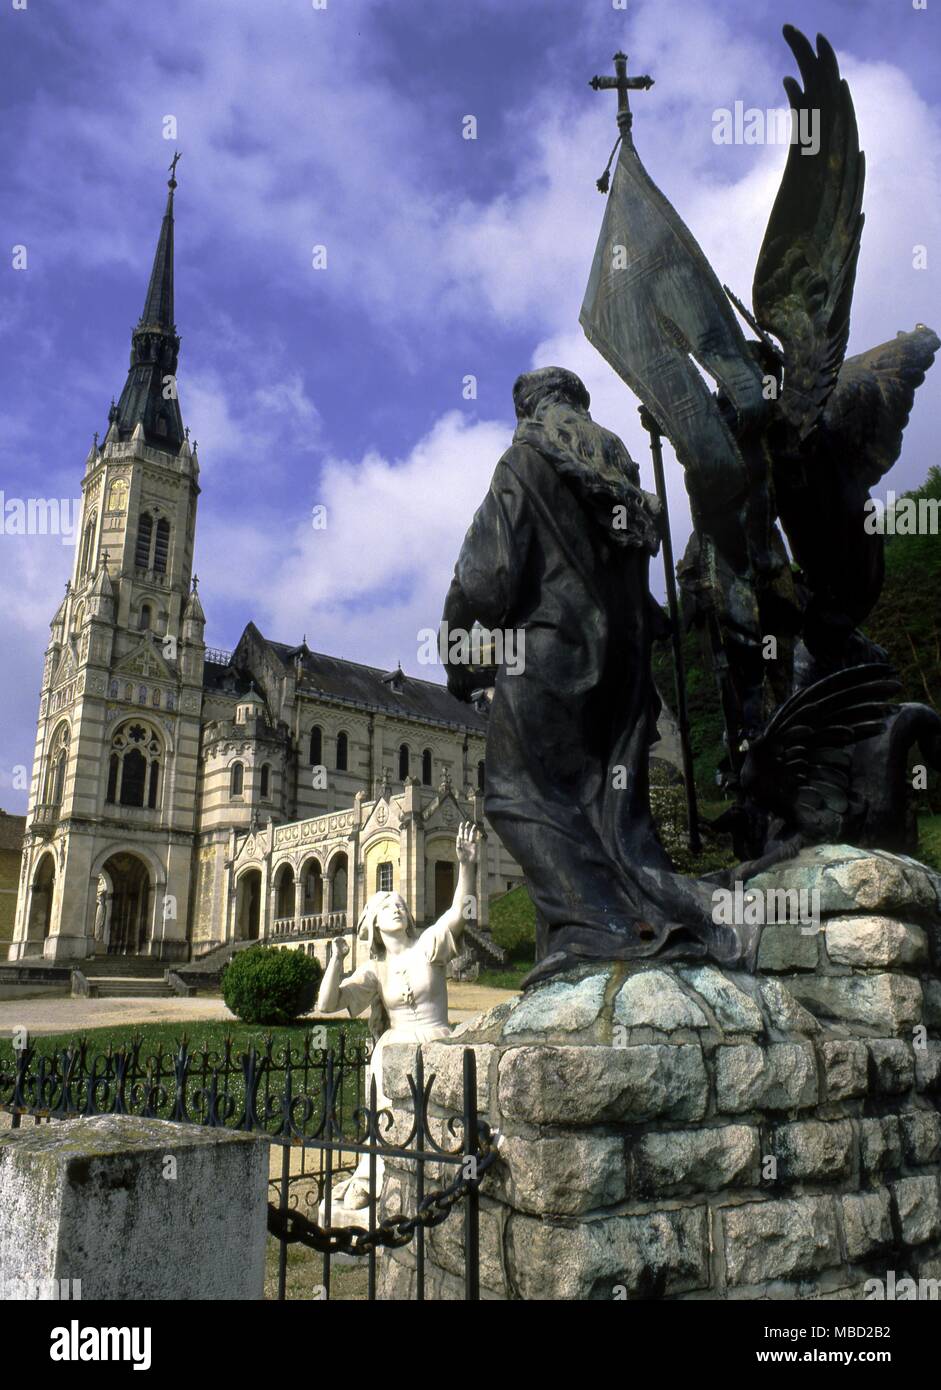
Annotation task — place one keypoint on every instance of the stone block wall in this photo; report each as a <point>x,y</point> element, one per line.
<point>683,1132</point>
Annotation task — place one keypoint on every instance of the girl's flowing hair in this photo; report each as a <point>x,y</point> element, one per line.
<point>367,929</point>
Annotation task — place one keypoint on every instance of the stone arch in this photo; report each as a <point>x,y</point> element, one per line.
<point>154,863</point>
<point>133,903</point>
<point>57,763</point>
<point>338,878</point>
<point>248,905</point>
<point>41,896</point>
<point>136,765</point>
<point>440,872</point>
<point>285,889</point>
<point>312,886</point>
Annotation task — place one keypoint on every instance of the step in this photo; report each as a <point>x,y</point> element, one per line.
<point>115,967</point>
<point>132,989</point>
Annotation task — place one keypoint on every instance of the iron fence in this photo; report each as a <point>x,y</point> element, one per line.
<point>319,1106</point>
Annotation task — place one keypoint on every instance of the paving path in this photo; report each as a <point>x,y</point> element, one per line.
<point>62,1014</point>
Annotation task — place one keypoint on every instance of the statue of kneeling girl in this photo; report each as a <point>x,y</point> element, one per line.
<point>403,983</point>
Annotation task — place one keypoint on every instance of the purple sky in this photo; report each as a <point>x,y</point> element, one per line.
<point>445,257</point>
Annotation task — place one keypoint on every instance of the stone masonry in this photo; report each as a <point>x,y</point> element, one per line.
<point>683,1132</point>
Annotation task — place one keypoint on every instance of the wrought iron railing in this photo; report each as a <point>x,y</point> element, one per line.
<point>323,1102</point>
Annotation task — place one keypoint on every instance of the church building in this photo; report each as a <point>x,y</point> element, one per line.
<point>184,798</point>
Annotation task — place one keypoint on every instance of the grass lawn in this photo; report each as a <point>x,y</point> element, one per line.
<point>510,978</point>
<point>211,1034</point>
<point>305,1275</point>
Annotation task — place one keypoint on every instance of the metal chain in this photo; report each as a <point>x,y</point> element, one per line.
<point>294,1228</point>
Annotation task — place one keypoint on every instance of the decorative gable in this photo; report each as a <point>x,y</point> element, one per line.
<point>385,815</point>
<point>145,660</point>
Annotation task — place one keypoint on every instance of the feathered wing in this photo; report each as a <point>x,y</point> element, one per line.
<point>803,286</point>
<point>801,763</point>
<point>868,410</point>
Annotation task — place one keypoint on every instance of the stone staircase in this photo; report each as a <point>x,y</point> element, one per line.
<point>123,977</point>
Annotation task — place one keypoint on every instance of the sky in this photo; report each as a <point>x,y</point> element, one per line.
<point>341,124</point>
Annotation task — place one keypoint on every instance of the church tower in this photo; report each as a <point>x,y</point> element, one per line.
<point>108,850</point>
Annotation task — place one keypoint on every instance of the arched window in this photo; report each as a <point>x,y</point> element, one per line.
<point>313,887</point>
<point>480,775</point>
<point>87,544</point>
<point>134,766</point>
<point>284,892</point>
<point>236,779</point>
<point>426,767</point>
<point>117,495</point>
<point>145,532</point>
<point>384,877</point>
<point>146,614</point>
<point>133,778</point>
<point>162,546</point>
<point>58,759</point>
<point>343,752</point>
<point>78,617</point>
<point>58,778</point>
<point>403,761</point>
<point>264,784</point>
<point>316,746</point>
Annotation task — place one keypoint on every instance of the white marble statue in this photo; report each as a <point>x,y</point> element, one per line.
<point>102,916</point>
<point>403,982</point>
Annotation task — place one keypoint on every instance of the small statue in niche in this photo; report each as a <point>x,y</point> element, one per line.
<point>102,925</point>
<point>403,982</point>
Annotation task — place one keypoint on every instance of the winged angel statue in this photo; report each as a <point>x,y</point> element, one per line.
<point>791,440</point>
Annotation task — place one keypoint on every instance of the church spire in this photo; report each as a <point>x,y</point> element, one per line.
<point>158,306</point>
<point>149,398</point>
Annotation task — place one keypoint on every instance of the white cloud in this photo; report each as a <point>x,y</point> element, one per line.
<point>379,571</point>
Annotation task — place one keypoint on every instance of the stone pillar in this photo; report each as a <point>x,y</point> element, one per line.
<point>134,1209</point>
<point>682,1131</point>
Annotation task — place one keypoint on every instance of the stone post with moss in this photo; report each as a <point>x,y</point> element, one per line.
<point>116,1207</point>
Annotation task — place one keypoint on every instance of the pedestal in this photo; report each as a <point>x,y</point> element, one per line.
<point>684,1132</point>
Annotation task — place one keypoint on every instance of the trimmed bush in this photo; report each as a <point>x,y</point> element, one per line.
<point>513,924</point>
<point>265,985</point>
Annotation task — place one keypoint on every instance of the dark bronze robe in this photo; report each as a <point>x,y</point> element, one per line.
<point>567,746</point>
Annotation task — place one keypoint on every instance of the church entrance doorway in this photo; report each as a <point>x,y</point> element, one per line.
<point>248,905</point>
<point>129,920</point>
<point>444,886</point>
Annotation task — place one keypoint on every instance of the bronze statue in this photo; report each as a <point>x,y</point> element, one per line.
<point>559,550</point>
<point>795,434</point>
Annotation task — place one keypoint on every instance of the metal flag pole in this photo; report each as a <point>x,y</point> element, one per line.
<point>679,665</point>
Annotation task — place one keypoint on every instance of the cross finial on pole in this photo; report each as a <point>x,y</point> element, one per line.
<point>622,84</point>
<point>177,156</point>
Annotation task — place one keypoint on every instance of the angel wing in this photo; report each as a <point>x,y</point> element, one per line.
<point>803,286</point>
<point>866,414</point>
<point>800,766</point>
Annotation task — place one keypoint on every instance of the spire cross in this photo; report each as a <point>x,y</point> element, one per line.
<point>177,156</point>
<point>622,84</point>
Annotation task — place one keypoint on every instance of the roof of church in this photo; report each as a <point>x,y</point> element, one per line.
<point>338,678</point>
